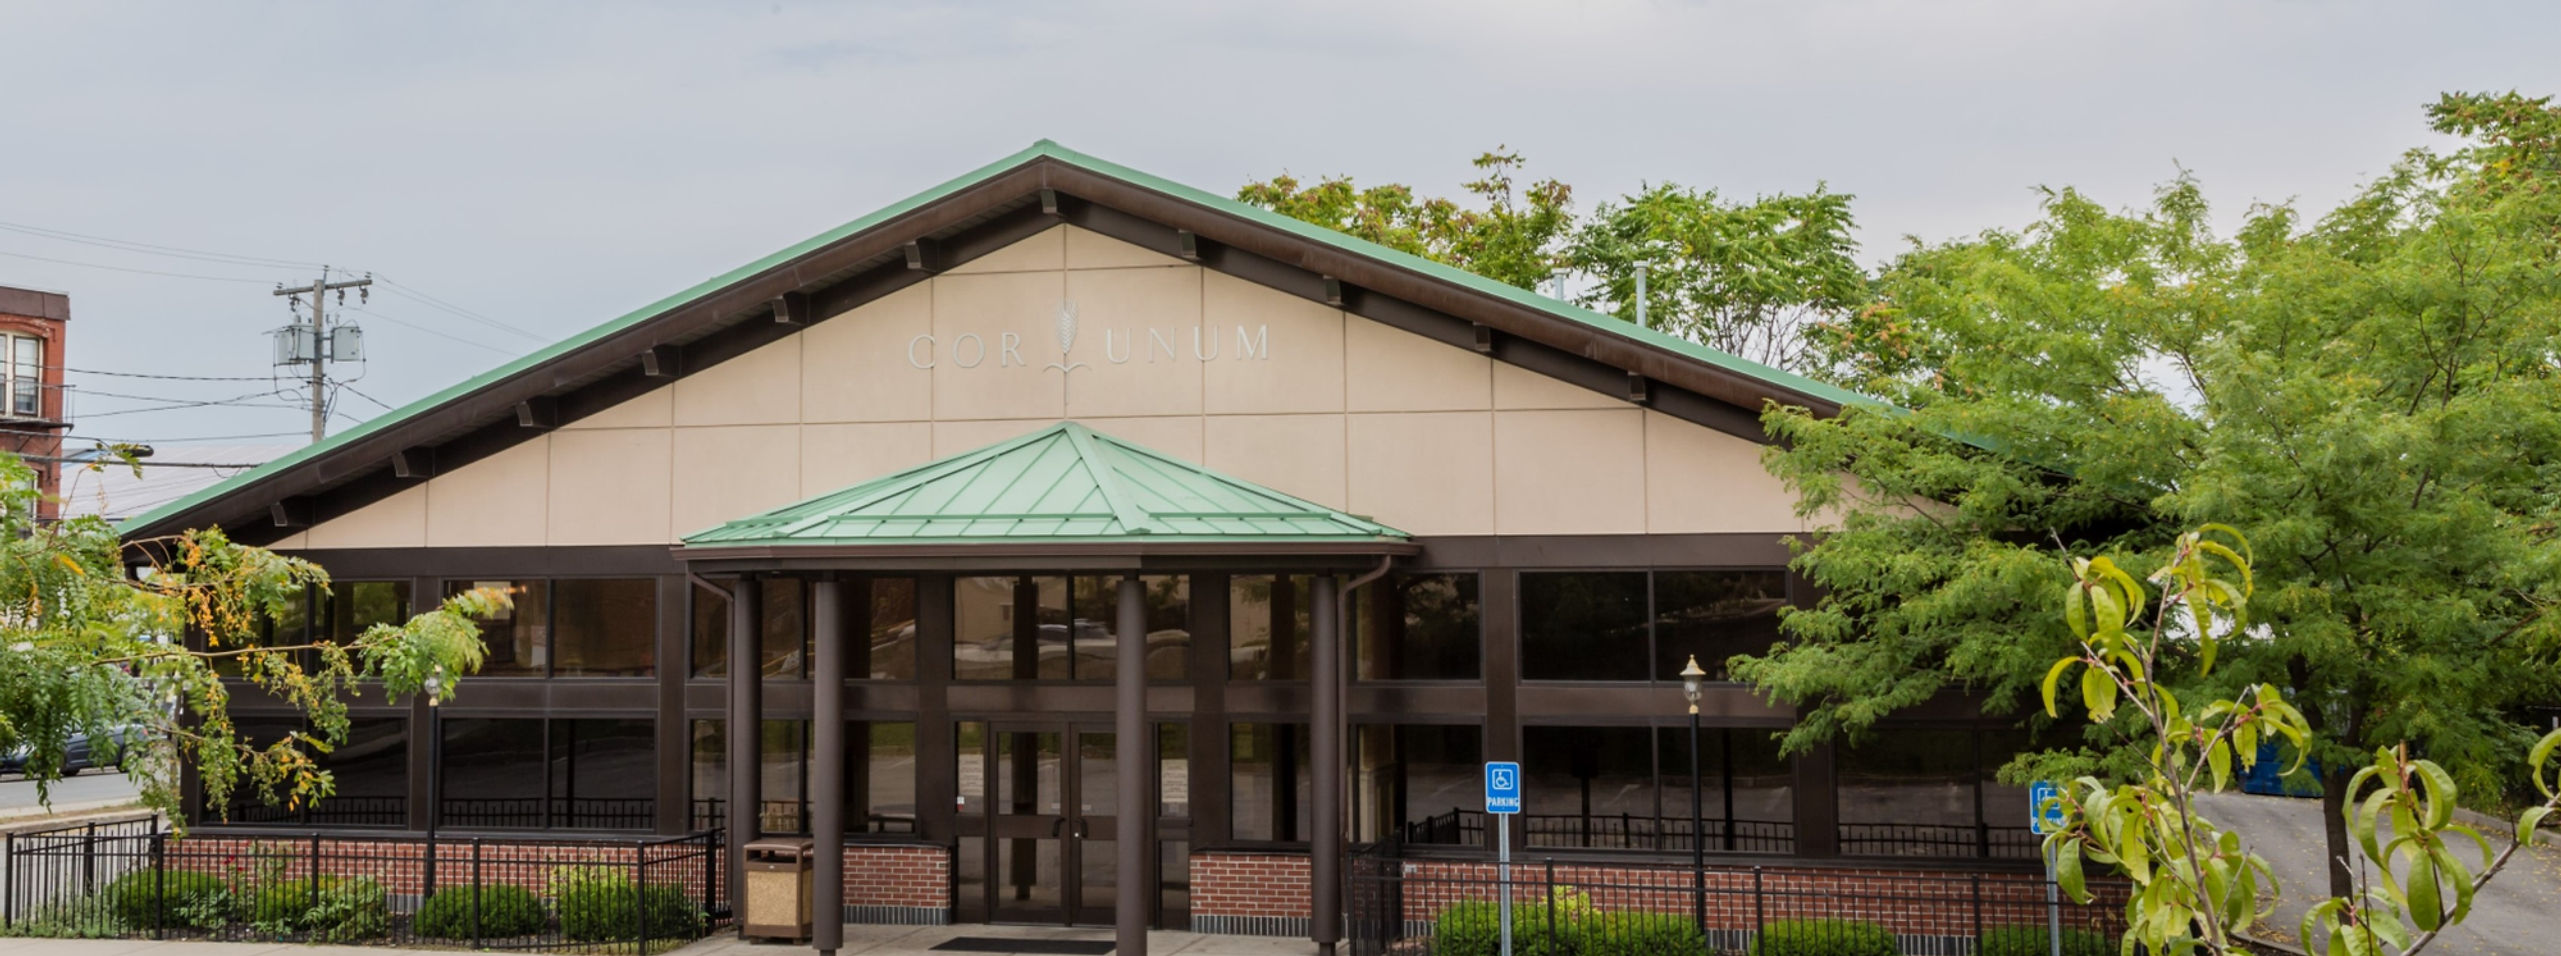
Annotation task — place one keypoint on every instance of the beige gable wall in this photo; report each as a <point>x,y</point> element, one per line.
<point>1431,438</point>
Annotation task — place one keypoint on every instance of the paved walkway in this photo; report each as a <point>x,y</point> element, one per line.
<point>2513,917</point>
<point>860,940</point>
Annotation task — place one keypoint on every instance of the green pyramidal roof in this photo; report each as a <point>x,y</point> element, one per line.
<point>1065,483</point>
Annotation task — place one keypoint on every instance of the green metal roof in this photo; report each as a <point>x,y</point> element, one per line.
<point>1043,149</point>
<point>1065,483</point>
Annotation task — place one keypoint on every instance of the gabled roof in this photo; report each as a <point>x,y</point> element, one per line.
<point>976,212</point>
<point>1059,485</point>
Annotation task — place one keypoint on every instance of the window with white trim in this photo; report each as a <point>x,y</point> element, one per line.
<point>25,356</point>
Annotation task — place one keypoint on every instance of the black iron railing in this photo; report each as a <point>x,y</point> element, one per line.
<point>1395,905</point>
<point>137,880</point>
<point>1606,832</point>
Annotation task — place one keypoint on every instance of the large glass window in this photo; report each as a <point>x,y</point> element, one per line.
<point>514,640</point>
<point>251,803</point>
<point>1419,784</point>
<point>1419,627</point>
<point>1267,627</point>
<point>1629,788</point>
<point>606,627</point>
<point>1931,792</point>
<point>1269,785</point>
<point>511,773</point>
<point>880,763</point>
<point>355,606</point>
<point>1060,628</point>
<point>784,645</point>
<point>1643,626</point>
<point>892,631</point>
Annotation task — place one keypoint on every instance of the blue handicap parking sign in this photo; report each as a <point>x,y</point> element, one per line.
<point>2045,806</point>
<point>1502,787</point>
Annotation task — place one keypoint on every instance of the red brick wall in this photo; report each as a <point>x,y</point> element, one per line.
<point>918,876</point>
<point>1249,884</point>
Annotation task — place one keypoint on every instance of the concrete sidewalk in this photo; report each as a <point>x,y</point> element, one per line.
<point>862,939</point>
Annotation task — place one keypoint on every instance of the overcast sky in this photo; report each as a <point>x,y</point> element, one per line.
<point>549,166</point>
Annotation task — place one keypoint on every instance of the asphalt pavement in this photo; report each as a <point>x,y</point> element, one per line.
<point>2514,916</point>
<point>91,790</point>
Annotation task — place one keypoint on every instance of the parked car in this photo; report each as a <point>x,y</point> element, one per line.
<point>78,754</point>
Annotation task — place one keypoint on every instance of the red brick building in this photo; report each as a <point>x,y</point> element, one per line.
<point>34,407</point>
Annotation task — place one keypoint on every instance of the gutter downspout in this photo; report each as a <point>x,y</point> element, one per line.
<point>1325,860</point>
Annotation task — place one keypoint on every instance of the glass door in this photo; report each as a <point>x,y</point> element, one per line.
<point>1049,809</point>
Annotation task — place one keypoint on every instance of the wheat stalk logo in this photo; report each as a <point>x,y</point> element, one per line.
<point>1066,344</point>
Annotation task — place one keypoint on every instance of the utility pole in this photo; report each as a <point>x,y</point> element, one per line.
<point>315,342</point>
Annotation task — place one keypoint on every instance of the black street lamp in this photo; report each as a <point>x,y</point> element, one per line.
<point>1691,679</point>
<point>435,688</point>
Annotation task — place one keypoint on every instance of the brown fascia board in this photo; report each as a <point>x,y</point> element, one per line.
<point>466,418</point>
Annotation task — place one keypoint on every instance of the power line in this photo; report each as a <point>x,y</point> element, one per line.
<point>386,406</point>
<point>413,294</point>
<point>144,462</point>
<point>86,392</point>
<point>173,378</point>
<point>430,330</point>
<point>127,245</point>
<point>177,440</point>
<point>148,272</point>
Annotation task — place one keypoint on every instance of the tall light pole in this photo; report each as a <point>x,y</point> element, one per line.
<point>1691,680</point>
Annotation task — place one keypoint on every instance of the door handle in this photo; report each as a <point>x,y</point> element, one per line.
<point>1056,826</point>
<point>1080,828</point>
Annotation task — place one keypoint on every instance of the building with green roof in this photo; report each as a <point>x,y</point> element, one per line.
<point>1082,547</point>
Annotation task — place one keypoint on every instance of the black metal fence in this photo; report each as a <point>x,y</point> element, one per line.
<point>1607,832</point>
<point>134,879</point>
<point>1397,905</point>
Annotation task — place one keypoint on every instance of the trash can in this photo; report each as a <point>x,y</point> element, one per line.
<point>777,890</point>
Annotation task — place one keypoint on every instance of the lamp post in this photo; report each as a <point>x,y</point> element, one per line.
<point>1691,679</point>
<point>435,687</point>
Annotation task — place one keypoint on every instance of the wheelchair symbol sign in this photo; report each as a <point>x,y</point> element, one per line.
<point>1502,787</point>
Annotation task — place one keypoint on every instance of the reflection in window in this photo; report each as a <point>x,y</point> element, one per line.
<point>356,606</point>
<point>1059,628</point>
<point>1641,626</point>
<point>1715,615</point>
<point>372,773</point>
<point>1269,785</point>
<point>1267,627</point>
<point>1418,627</point>
<point>286,627</point>
<point>1419,784</point>
<point>1930,792</point>
<point>784,645</point>
<point>513,639</point>
<point>604,627</point>
<point>1174,770</point>
<point>1629,788</point>
<point>507,773</point>
<point>1583,626</point>
<point>892,655</point>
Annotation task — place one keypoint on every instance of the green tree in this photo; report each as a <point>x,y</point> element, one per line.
<point>2196,885</point>
<point>1515,238</point>
<point>119,639</point>
<point>2370,392</point>
<point>1756,279</point>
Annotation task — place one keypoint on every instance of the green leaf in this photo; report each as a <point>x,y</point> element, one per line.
<point>2067,873</point>
<point>2098,693</point>
<point>2052,677</point>
<point>2542,753</point>
<point>2533,818</point>
<point>2219,757</point>
<point>2425,908</point>
<point>2109,611</point>
<point>2076,611</point>
<point>2441,795</point>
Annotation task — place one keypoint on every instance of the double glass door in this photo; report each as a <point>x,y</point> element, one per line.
<point>1044,802</point>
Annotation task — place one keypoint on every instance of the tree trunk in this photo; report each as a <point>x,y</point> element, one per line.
<point>2334,826</point>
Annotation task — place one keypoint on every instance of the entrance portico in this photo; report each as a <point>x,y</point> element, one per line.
<point>1074,819</point>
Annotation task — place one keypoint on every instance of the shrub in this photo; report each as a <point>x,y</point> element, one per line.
<point>181,901</point>
<point>2033,941</point>
<point>1475,927</point>
<point>504,911</point>
<point>1824,937</point>
<point>1637,934</point>
<point>338,910</point>
<point>596,904</point>
<point>348,910</point>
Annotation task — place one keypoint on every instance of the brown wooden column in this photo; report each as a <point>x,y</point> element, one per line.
<point>744,819</point>
<point>1325,750</point>
<point>1134,830</point>
<point>827,765</point>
